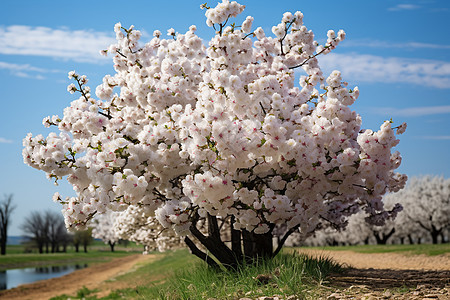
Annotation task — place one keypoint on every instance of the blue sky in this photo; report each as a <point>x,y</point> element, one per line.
<point>396,52</point>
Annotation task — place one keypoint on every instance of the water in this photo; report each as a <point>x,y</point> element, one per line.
<point>14,277</point>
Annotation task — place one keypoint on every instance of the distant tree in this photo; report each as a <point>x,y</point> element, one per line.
<point>6,209</point>
<point>135,225</point>
<point>47,231</point>
<point>35,228</point>
<point>57,234</point>
<point>82,238</point>
<point>76,240</point>
<point>103,229</point>
<point>124,243</point>
<point>358,231</point>
<point>427,204</point>
<point>65,239</point>
<point>425,218</point>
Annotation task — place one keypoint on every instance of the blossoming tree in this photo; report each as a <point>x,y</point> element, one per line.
<point>135,225</point>
<point>358,231</point>
<point>220,133</point>
<point>427,205</point>
<point>102,228</point>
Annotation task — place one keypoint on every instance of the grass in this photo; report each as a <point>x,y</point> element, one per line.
<point>98,252</point>
<point>15,249</point>
<point>426,249</point>
<point>179,275</point>
<point>83,293</point>
<point>287,274</point>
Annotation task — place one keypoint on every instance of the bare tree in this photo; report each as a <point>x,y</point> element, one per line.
<point>57,234</point>
<point>6,209</point>
<point>47,230</point>
<point>35,228</point>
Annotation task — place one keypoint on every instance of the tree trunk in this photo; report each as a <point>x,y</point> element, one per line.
<point>379,240</point>
<point>434,236</point>
<point>443,241</point>
<point>6,208</point>
<point>263,245</point>
<point>112,246</point>
<point>410,239</point>
<point>383,238</point>
<point>245,246</point>
<point>77,247</point>
<point>85,248</point>
<point>3,246</point>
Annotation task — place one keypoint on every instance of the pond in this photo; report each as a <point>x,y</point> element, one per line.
<point>14,277</point>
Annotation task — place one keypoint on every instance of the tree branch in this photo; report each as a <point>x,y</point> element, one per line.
<point>283,240</point>
<point>200,254</point>
<point>214,245</point>
<point>311,57</point>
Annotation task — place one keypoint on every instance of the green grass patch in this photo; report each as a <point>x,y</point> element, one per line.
<point>18,256</point>
<point>96,245</point>
<point>83,293</point>
<point>180,275</point>
<point>15,249</point>
<point>285,275</point>
<point>153,277</point>
<point>426,249</point>
<point>15,261</point>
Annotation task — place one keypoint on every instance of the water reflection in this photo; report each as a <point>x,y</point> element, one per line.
<point>15,277</point>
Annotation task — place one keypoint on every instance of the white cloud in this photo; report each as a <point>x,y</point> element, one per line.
<point>413,111</point>
<point>400,7</point>
<point>26,70</point>
<point>78,45</point>
<point>389,45</point>
<point>5,141</point>
<point>371,68</point>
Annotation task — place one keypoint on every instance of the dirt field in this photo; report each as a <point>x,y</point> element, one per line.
<point>388,276</point>
<point>372,276</point>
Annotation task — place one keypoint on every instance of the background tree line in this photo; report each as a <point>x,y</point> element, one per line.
<point>47,232</point>
<point>425,219</point>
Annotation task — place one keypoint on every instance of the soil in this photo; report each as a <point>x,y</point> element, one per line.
<point>369,277</point>
<point>387,276</point>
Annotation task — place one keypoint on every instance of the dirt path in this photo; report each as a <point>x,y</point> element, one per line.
<point>92,277</point>
<point>387,276</point>
<point>394,261</point>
